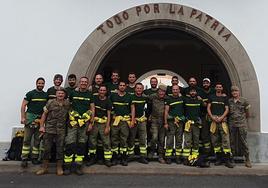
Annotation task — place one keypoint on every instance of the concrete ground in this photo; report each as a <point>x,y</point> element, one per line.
<point>153,168</point>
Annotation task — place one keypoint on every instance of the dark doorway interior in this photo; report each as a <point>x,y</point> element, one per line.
<point>164,48</point>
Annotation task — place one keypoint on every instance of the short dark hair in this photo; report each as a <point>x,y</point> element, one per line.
<point>132,73</point>
<point>192,89</point>
<point>153,78</point>
<point>138,84</point>
<point>40,78</point>
<point>122,82</point>
<point>71,76</point>
<point>58,76</point>
<point>174,77</point>
<point>102,85</point>
<point>84,77</point>
<point>218,83</point>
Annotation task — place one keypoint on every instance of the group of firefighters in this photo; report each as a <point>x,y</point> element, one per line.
<point>185,125</point>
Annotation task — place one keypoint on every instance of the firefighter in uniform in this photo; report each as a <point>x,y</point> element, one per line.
<point>193,105</point>
<point>98,81</point>
<point>147,93</point>
<point>120,125</point>
<point>80,116</point>
<point>52,125</point>
<point>34,100</point>
<point>174,81</point>
<point>174,123</point>
<point>157,130</point>
<point>71,83</point>
<point>239,111</point>
<point>58,79</point>
<point>101,127</point>
<point>131,83</point>
<point>113,85</point>
<point>217,110</point>
<point>139,127</point>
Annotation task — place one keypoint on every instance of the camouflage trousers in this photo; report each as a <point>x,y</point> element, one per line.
<point>48,141</point>
<point>29,133</point>
<point>191,141</point>
<point>158,133</point>
<point>75,144</point>
<point>221,139</point>
<point>97,135</point>
<point>240,134</point>
<point>177,132</point>
<point>119,136</point>
<point>140,130</point>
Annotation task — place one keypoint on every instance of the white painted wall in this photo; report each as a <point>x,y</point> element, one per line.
<point>40,38</point>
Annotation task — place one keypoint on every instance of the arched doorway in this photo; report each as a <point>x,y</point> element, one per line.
<point>227,50</point>
<point>164,76</point>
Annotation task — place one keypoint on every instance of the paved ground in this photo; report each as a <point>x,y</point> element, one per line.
<point>154,168</point>
<point>122,181</point>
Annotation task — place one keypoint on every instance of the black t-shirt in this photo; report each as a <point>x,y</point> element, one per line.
<point>218,104</point>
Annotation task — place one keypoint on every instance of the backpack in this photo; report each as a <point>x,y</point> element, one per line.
<point>14,152</point>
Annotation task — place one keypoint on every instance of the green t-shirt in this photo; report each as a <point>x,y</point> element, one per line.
<point>169,91</point>
<point>111,87</point>
<point>139,102</point>
<point>176,105</point>
<point>95,90</point>
<point>185,91</point>
<point>150,91</point>
<point>36,101</point>
<point>51,92</point>
<point>69,90</point>
<point>217,104</point>
<point>121,104</point>
<point>101,106</point>
<point>193,108</point>
<point>80,101</point>
<point>130,90</point>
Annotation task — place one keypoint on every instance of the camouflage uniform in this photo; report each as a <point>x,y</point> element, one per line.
<point>238,124</point>
<point>157,128</point>
<point>55,127</point>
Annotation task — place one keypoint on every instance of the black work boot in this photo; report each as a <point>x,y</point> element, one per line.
<point>107,163</point>
<point>24,163</point>
<point>178,160</point>
<point>78,169</point>
<point>143,160</point>
<point>114,159</point>
<point>124,159</point>
<point>228,163</point>
<point>35,162</point>
<point>67,169</point>
<point>92,160</point>
<point>218,159</point>
<point>168,161</point>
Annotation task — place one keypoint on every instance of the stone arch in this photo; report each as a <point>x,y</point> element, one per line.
<point>175,16</point>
